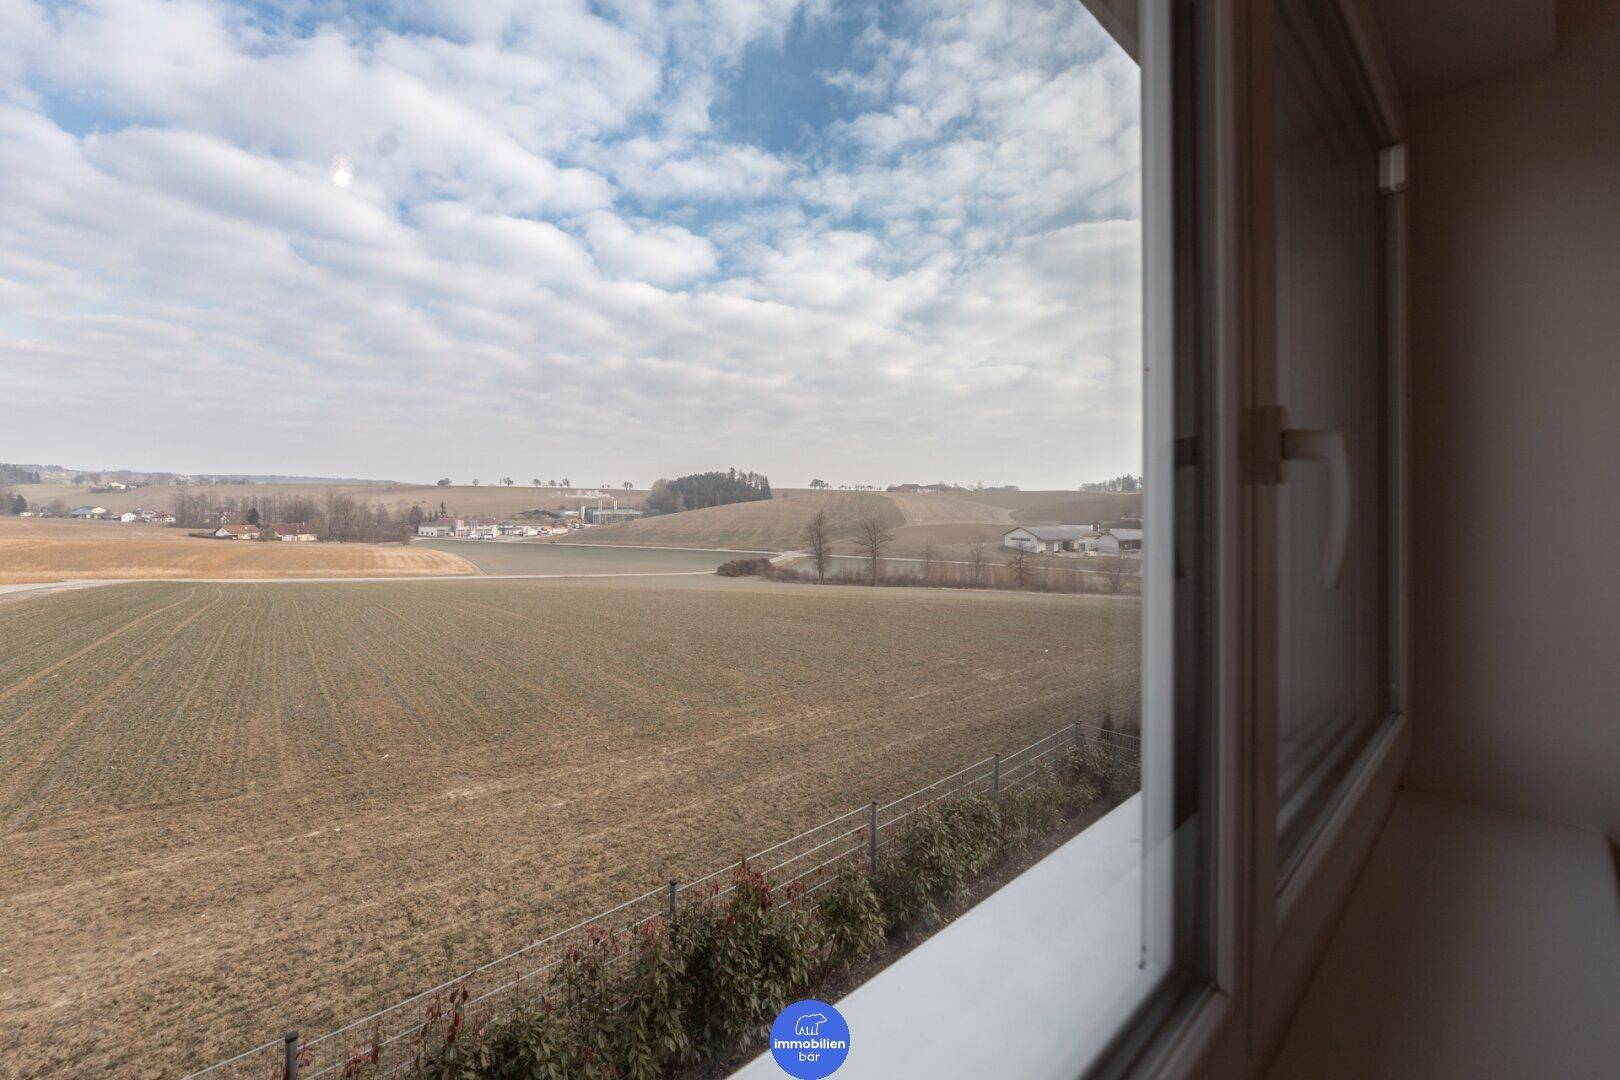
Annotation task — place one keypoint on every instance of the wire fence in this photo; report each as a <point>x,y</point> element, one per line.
<point>388,1035</point>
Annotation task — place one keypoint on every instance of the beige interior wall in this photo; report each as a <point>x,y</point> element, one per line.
<point>1515,358</point>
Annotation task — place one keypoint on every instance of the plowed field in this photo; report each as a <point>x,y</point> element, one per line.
<point>229,810</point>
<point>54,550</point>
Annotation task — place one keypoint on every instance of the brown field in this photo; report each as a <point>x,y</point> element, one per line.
<point>1058,507</point>
<point>953,541</point>
<point>949,521</point>
<point>929,509</point>
<point>462,499</point>
<point>229,810</point>
<point>766,525</point>
<point>50,550</point>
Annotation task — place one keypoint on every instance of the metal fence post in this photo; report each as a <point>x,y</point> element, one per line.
<point>1079,737</point>
<point>290,1067</point>
<point>672,903</point>
<point>995,780</point>
<point>871,840</point>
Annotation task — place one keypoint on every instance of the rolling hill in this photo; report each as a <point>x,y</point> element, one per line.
<point>947,522</point>
<point>461,500</point>
<point>1058,507</point>
<point>767,525</point>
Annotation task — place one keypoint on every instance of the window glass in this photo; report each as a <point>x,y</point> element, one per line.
<point>1332,640</point>
<point>590,510</point>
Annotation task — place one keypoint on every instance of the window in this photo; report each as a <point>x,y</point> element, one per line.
<point>818,302</point>
<point>1334,680</point>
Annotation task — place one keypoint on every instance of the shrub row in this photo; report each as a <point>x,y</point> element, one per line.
<point>1038,580</point>
<point>636,1004</point>
<point>745,568</point>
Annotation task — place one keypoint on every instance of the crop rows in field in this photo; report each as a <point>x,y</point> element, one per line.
<point>226,809</point>
<point>545,557</point>
<point>48,551</point>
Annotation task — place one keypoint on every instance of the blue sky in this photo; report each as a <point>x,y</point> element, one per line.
<point>609,240</point>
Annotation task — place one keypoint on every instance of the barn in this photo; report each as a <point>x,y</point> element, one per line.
<point>1053,539</point>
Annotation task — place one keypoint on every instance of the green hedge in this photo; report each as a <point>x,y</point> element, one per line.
<point>631,1006</point>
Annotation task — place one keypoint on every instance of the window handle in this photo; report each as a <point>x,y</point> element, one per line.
<point>1328,447</point>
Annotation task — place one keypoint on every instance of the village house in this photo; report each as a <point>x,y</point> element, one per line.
<point>241,531</point>
<point>435,528</point>
<point>1118,541</point>
<point>88,513</point>
<point>1050,539</point>
<point>291,531</point>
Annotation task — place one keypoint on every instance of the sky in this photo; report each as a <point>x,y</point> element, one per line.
<point>615,240</point>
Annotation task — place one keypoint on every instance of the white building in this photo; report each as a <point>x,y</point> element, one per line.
<point>433,528</point>
<point>1051,539</point>
<point>1119,542</point>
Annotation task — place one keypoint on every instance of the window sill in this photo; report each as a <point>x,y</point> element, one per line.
<point>1030,983</point>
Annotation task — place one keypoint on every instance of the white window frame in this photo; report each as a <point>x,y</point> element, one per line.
<point>1270,933</point>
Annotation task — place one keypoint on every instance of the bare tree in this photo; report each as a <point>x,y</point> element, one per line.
<point>872,538</point>
<point>1019,563</point>
<point>979,552</point>
<point>341,513</point>
<point>1114,573</point>
<point>298,508</point>
<point>818,541</point>
<point>928,562</point>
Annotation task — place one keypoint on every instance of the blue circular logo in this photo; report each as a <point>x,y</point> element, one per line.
<point>810,1039</point>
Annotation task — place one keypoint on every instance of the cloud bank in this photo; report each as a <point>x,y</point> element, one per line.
<point>615,240</point>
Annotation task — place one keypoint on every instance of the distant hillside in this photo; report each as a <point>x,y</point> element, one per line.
<point>947,522</point>
<point>462,500</point>
<point>768,525</point>
<point>272,478</point>
<point>1060,507</point>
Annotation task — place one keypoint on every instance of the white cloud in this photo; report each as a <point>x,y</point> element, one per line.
<point>646,251</point>
<point>545,217</point>
<point>218,176</point>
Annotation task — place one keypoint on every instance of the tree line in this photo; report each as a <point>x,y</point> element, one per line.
<point>986,566</point>
<point>331,516</point>
<point>698,490</point>
<point>1127,484</point>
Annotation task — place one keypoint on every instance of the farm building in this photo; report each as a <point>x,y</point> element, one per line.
<point>295,531</point>
<point>602,515</point>
<point>237,532</point>
<point>1118,542</point>
<point>88,513</point>
<point>1049,538</point>
<point>434,528</point>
